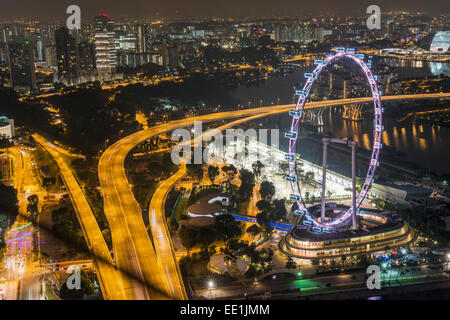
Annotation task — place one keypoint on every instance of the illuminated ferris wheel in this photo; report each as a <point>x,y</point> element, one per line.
<point>292,135</point>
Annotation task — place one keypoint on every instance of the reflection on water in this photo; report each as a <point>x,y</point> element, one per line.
<point>282,87</point>
<point>427,145</point>
<point>411,68</point>
<point>438,68</point>
<point>386,140</point>
<point>271,90</point>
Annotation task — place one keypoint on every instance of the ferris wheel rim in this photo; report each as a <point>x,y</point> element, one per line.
<point>377,137</point>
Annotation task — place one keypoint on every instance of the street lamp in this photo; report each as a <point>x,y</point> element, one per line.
<point>210,287</point>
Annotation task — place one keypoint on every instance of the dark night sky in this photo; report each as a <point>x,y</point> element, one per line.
<point>55,9</point>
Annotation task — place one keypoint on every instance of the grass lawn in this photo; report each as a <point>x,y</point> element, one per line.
<point>283,276</point>
<point>49,293</point>
<point>181,208</point>
<point>143,191</point>
<point>47,166</point>
<point>312,288</point>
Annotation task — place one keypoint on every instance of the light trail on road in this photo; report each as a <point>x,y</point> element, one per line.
<point>115,284</point>
<point>124,214</point>
<point>138,275</point>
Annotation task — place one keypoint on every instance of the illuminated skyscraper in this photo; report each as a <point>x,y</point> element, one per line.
<point>141,43</point>
<point>66,54</point>
<point>21,65</point>
<point>50,56</point>
<point>85,58</point>
<point>39,50</point>
<point>105,47</point>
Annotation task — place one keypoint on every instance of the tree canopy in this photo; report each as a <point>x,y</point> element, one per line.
<point>267,190</point>
<point>247,184</point>
<point>227,227</point>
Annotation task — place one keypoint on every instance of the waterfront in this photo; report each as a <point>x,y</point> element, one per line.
<point>422,143</point>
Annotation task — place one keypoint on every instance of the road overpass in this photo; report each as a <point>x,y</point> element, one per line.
<point>133,249</point>
<point>135,259</point>
<point>115,285</point>
<point>164,250</point>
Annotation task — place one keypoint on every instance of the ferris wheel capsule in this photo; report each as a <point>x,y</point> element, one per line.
<point>350,50</point>
<point>290,157</point>
<point>294,197</point>
<point>291,135</point>
<point>295,113</point>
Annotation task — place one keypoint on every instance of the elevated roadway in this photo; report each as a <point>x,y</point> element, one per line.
<point>129,234</point>
<point>115,285</point>
<point>135,272</point>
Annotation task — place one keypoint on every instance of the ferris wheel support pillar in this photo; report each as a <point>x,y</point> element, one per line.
<point>353,144</point>
<point>325,142</point>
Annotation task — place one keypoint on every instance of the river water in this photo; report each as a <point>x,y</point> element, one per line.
<point>424,144</point>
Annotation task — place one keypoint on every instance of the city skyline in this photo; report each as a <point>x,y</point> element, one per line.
<point>178,9</point>
<point>156,151</point>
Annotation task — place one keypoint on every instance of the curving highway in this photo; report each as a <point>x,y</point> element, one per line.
<point>140,270</point>
<point>154,267</point>
<point>164,250</point>
<point>114,283</point>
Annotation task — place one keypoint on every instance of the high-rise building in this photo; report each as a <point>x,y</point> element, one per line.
<point>39,50</point>
<point>174,57</point>
<point>3,53</point>
<point>165,56</point>
<point>75,57</point>
<point>105,47</point>
<point>141,41</point>
<point>170,56</point>
<point>66,53</point>
<point>133,60</point>
<point>126,42</point>
<point>50,56</point>
<point>85,58</point>
<point>6,34</point>
<point>22,73</point>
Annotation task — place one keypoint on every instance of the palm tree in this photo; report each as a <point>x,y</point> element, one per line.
<point>257,167</point>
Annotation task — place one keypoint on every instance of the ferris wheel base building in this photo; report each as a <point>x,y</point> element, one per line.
<point>377,232</point>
